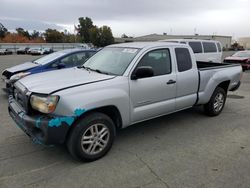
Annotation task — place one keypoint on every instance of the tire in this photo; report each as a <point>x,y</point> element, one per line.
<point>94,126</point>
<point>219,98</point>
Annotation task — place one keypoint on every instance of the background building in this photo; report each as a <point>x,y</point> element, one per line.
<point>225,40</point>
<point>245,42</point>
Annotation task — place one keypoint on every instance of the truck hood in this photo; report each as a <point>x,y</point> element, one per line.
<point>22,67</point>
<point>52,81</point>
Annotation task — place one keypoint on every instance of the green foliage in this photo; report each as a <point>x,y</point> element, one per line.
<point>35,34</point>
<point>3,31</point>
<point>124,36</point>
<point>52,35</point>
<point>71,38</point>
<point>84,27</point>
<point>22,32</point>
<point>106,36</point>
<point>90,33</point>
<point>86,33</point>
<point>95,36</point>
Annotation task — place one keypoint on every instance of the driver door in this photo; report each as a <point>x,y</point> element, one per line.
<point>153,96</point>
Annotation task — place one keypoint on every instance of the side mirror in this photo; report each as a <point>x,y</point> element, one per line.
<point>142,72</point>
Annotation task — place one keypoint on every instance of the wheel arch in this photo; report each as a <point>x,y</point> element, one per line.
<point>111,111</point>
<point>224,85</point>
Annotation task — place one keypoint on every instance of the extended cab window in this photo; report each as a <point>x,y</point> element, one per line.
<point>183,58</point>
<point>209,47</point>
<point>196,47</point>
<point>159,60</point>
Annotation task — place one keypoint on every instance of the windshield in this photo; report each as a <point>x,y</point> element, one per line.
<point>242,54</point>
<point>48,58</point>
<point>112,60</point>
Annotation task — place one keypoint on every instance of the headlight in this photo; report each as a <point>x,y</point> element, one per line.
<point>18,76</point>
<point>44,104</point>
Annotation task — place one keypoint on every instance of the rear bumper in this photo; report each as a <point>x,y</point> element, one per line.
<point>38,127</point>
<point>245,66</point>
<point>235,87</point>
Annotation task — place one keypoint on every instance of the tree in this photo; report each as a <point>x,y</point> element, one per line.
<point>22,32</point>
<point>95,36</point>
<point>3,31</point>
<point>84,27</point>
<point>52,35</point>
<point>35,34</point>
<point>15,38</point>
<point>124,36</point>
<point>70,38</point>
<point>90,33</point>
<point>106,36</point>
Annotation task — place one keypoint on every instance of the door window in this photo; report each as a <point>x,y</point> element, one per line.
<point>159,60</point>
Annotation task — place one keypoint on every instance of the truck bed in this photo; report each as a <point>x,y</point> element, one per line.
<point>212,74</point>
<point>201,65</point>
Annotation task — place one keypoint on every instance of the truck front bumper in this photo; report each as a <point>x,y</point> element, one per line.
<point>39,127</point>
<point>8,85</point>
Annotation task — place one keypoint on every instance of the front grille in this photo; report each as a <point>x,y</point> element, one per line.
<point>20,97</point>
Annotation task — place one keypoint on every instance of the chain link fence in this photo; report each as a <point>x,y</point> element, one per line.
<point>55,46</point>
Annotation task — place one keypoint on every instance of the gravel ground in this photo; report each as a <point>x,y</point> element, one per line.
<point>185,149</point>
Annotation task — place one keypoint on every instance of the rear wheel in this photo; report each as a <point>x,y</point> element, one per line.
<point>92,137</point>
<point>216,102</point>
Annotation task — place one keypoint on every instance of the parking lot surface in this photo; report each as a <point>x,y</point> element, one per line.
<point>185,149</point>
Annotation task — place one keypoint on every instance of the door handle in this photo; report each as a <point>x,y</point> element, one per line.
<point>171,82</point>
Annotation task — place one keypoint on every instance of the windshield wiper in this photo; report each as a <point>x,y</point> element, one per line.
<point>83,67</point>
<point>99,71</point>
<point>95,70</point>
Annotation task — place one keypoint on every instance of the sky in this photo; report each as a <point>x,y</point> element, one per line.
<point>134,18</point>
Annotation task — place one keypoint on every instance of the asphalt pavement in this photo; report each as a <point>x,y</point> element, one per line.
<point>185,149</point>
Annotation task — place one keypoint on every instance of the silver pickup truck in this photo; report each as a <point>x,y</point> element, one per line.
<point>121,85</point>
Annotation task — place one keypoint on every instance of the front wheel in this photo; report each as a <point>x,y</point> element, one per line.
<point>216,102</point>
<point>92,137</point>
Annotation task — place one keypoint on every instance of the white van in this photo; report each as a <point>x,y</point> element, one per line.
<point>204,50</point>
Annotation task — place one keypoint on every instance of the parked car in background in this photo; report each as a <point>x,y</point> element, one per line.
<point>58,60</point>
<point>242,57</point>
<point>37,51</point>
<point>119,86</point>
<point>32,50</point>
<point>22,50</point>
<point>5,51</point>
<point>204,50</point>
<point>41,51</point>
<point>47,50</point>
